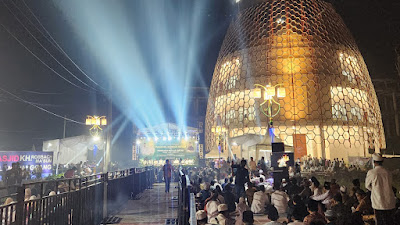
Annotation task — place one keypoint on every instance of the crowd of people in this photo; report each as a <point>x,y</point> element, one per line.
<point>314,164</point>
<point>240,193</point>
<point>15,175</point>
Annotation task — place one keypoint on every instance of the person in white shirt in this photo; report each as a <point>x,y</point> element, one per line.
<point>315,187</point>
<point>261,174</point>
<point>280,200</point>
<point>260,199</point>
<point>379,182</point>
<point>212,209</point>
<point>240,208</point>
<point>223,217</point>
<point>326,196</point>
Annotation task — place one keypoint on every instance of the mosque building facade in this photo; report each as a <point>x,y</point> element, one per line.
<point>291,70</point>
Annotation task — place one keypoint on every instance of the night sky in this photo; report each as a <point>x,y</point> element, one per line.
<point>375,25</point>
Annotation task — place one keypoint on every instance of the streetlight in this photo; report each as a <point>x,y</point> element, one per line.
<point>271,98</point>
<point>96,122</point>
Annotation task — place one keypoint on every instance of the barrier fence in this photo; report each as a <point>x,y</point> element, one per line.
<point>87,200</point>
<point>183,199</point>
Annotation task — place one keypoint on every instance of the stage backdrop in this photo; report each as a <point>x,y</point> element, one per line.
<point>29,160</point>
<point>168,149</point>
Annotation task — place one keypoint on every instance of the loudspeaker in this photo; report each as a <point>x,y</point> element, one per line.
<point>278,147</point>
<point>278,175</point>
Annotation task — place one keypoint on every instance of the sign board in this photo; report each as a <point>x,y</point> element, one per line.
<point>173,149</point>
<point>201,149</point>
<point>300,145</point>
<point>134,155</point>
<point>28,160</point>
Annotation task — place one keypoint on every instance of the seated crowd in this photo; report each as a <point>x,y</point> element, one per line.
<point>296,201</point>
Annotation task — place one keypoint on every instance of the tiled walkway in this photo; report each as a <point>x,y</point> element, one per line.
<point>153,207</point>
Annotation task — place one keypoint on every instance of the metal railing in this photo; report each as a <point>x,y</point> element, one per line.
<point>183,199</point>
<point>86,200</point>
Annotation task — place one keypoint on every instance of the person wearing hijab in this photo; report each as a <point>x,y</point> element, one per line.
<point>315,187</point>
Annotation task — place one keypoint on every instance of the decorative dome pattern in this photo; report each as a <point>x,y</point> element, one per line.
<point>324,95</point>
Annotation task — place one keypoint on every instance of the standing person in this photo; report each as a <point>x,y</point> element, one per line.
<point>19,173</point>
<point>229,198</point>
<point>242,176</point>
<point>39,172</point>
<point>11,179</point>
<point>4,172</point>
<point>379,182</point>
<point>167,168</point>
<point>252,165</point>
<point>262,165</point>
<point>70,173</point>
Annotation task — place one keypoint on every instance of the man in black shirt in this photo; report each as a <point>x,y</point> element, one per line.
<point>229,198</point>
<point>242,177</point>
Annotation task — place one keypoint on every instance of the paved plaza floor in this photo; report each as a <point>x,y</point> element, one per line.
<point>153,207</point>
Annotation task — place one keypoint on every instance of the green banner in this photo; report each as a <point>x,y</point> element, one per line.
<point>168,149</point>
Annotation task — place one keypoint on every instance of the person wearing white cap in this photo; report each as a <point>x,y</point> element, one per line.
<point>223,216</point>
<point>212,209</point>
<point>201,217</point>
<point>379,182</point>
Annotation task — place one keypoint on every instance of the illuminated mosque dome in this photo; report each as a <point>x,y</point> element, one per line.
<point>316,89</point>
